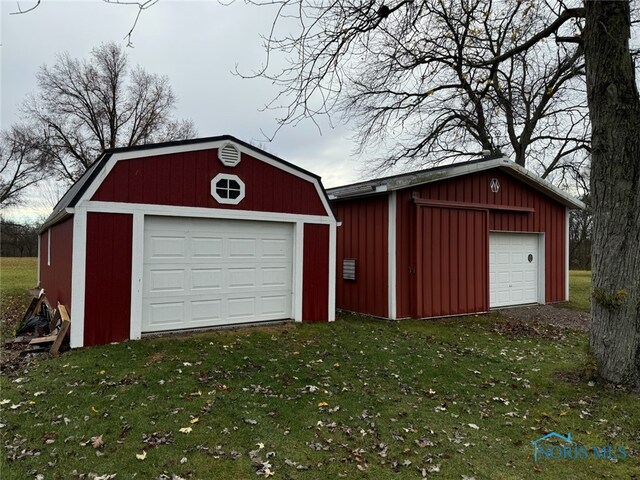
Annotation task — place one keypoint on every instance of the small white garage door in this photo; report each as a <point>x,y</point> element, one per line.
<point>513,268</point>
<point>207,272</point>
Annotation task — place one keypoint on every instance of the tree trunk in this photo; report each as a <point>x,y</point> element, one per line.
<point>614,108</point>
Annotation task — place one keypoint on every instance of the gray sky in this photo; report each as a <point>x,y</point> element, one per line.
<point>197,45</point>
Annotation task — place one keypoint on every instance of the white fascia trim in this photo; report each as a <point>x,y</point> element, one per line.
<point>298,268</point>
<point>567,219</point>
<point>137,268</point>
<point>332,272</point>
<point>391,245</point>
<point>78,277</point>
<point>172,210</point>
<point>116,157</point>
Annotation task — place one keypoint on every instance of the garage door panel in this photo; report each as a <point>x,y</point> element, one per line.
<point>274,305</point>
<point>204,247</point>
<point>166,247</point>
<point>242,308</point>
<point>274,248</point>
<point>242,277</point>
<point>166,280</point>
<point>165,314</point>
<point>242,247</point>
<point>206,311</point>
<point>275,276</point>
<point>206,279</point>
<point>513,278</point>
<point>203,272</point>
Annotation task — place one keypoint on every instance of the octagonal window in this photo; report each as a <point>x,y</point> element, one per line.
<point>227,189</point>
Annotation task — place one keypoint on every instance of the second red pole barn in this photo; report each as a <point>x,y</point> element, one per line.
<point>451,240</point>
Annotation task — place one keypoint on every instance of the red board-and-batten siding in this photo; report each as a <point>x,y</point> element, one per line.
<point>363,236</point>
<point>453,240</point>
<point>108,278</point>
<point>184,180</point>
<point>55,266</point>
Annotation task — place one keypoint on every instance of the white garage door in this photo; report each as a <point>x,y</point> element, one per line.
<point>206,272</point>
<point>513,269</point>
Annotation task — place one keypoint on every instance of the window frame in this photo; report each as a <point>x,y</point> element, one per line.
<point>228,177</point>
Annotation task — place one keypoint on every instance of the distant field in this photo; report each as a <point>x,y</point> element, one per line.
<point>17,275</point>
<point>580,290</point>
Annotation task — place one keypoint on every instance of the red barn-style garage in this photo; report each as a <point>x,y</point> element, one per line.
<point>185,235</point>
<point>451,240</point>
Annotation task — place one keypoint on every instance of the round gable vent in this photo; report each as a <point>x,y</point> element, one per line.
<point>229,155</point>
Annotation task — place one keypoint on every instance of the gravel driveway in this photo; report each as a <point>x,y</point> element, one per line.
<point>549,314</point>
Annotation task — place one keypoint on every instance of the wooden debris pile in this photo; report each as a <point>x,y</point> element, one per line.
<point>43,328</point>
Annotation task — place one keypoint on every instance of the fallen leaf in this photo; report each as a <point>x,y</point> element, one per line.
<point>186,430</point>
<point>323,404</point>
<point>474,426</point>
<point>194,420</point>
<point>97,442</point>
<point>141,456</point>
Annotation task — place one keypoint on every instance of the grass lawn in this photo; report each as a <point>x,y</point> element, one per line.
<point>358,398</point>
<point>580,290</point>
<point>16,276</point>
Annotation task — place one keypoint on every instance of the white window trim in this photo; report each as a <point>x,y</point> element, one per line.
<point>227,201</point>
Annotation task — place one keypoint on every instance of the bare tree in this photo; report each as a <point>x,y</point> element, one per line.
<point>417,78</point>
<point>83,107</point>
<point>20,165</point>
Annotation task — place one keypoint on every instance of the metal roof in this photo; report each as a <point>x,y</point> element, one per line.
<point>421,177</point>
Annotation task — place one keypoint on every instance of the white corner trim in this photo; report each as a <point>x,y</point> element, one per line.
<point>116,157</point>
<point>39,259</point>
<point>332,272</point>
<point>78,277</point>
<point>137,268</point>
<point>542,272</point>
<point>391,266</point>
<point>298,259</point>
<point>567,219</point>
<point>49,247</point>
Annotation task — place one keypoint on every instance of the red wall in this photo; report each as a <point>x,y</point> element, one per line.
<point>363,235</point>
<point>56,278</point>
<point>549,217</point>
<point>184,179</point>
<point>108,278</point>
<point>452,272</point>
<point>315,273</point>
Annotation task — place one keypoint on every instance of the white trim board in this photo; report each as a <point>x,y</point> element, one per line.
<point>567,219</point>
<point>391,246</point>
<point>171,210</point>
<point>78,277</point>
<point>137,269</point>
<point>331,314</point>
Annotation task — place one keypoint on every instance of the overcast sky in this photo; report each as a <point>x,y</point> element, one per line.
<point>197,45</point>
